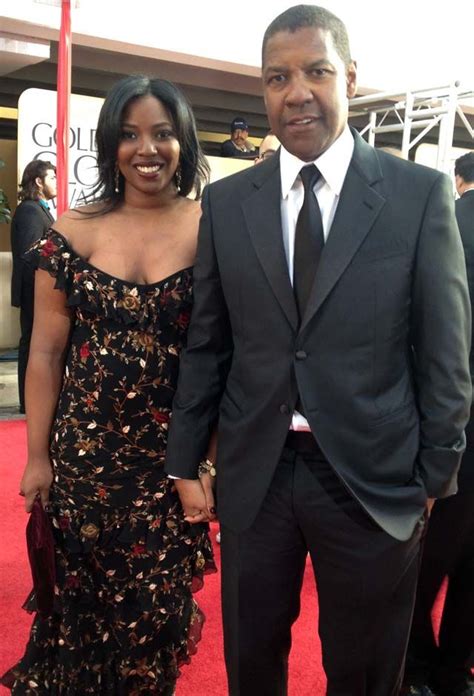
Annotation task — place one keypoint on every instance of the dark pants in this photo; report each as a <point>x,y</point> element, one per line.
<point>448,552</point>
<point>26,326</point>
<point>366,585</point>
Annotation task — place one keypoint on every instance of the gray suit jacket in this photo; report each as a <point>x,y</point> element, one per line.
<point>380,359</point>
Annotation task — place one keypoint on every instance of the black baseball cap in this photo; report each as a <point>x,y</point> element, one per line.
<point>237,123</point>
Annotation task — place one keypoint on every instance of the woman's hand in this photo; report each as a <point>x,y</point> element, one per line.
<point>208,483</point>
<point>37,479</point>
<point>193,500</point>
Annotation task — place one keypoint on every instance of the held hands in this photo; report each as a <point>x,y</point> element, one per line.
<point>197,498</point>
<point>37,479</point>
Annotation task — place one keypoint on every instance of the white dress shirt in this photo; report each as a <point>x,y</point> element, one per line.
<point>333,165</point>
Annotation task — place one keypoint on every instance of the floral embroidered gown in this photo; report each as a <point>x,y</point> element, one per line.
<point>124,617</point>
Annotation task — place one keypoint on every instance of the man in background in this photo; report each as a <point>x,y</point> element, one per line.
<point>449,544</point>
<point>268,147</point>
<point>239,145</point>
<point>31,219</point>
<point>464,173</point>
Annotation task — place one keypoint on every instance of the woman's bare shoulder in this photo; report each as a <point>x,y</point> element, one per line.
<point>192,208</point>
<point>193,205</point>
<point>73,221</point>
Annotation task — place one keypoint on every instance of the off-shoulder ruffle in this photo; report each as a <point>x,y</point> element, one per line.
<point>52,254</point>
<point>142,306</point>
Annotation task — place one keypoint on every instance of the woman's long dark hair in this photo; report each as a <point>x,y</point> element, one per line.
<point>193,166</point>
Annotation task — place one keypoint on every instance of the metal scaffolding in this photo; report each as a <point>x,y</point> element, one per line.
<point>416,109</point>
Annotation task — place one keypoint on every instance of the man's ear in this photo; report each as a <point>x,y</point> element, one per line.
<point>460,184</point>
<point>39,183</point>
<point>351,79</point>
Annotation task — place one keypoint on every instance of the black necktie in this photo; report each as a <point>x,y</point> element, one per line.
<point>309,239</point>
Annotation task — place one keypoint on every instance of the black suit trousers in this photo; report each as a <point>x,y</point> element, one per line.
<point>448,553</point>
<point>366,584</point>
<point>26,326</point>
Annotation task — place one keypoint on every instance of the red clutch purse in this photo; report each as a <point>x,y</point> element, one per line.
<point>40,544</point>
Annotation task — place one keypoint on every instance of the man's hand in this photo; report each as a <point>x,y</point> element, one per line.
<point>194,500</point>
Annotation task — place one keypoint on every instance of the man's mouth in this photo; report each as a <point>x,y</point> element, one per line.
<point>301,120</point>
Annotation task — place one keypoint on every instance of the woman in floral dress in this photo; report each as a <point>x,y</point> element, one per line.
<point>113,297</point>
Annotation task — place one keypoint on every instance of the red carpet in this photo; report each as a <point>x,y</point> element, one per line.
<point>205,676</point>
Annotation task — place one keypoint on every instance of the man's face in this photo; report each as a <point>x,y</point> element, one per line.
<point>268,148</point>
<point>240,136</point>
<point>47,186</point>
<point>306,88</point>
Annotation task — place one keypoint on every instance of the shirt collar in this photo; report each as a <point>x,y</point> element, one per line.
<point>333,164</point>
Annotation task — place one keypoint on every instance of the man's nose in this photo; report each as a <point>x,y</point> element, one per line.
<point>298,92</point>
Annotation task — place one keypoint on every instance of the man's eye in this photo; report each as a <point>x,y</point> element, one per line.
<point>276,79</point>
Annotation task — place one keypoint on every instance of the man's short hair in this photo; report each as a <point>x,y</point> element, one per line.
<point>464,167</point>
<point>301,16</point>
<point>238,123</point>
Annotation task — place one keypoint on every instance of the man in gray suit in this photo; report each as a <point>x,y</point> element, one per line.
<point>31,220</point>
<point>329,341</point>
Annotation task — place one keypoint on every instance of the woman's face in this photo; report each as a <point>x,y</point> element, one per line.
<point>148,151</point>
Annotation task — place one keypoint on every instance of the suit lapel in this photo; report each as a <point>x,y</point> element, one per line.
<point>47,214</point>
<point>263,216</point>
<point>358,208</point>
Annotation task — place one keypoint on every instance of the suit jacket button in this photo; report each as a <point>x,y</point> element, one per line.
<point>284,408</point>
<point>301,355</point>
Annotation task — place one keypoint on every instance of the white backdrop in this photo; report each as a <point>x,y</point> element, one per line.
<point>37,137</point>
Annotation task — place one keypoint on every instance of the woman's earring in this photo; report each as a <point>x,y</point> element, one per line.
<point>177,178</point>
<point>117,179</point>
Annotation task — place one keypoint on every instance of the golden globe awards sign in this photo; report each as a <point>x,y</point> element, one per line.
<point>37,137</point>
